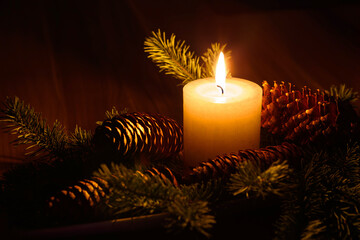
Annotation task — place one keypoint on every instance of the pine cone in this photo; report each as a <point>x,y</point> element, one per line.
<point>77,202</point>
<point>131,134</point>
<point>88,191</point>
<point>299,116</point>
<point>165,173</point>
<point>224,165</point>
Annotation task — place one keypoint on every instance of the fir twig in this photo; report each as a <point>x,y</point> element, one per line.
<point>81,137</point>
<point>290,223</point>
<point>173,57</point>
<point>332,197</point>
<point>343,93</point>
<point>133,192</point>
<point>210,58</point>
<point>32,129</point>
<point>109,114</point>
<point>206,191</point>
<point>192,215</point>
<point>114,112</point>
<point>313,230</point>
<point>326,205</point>
<point>250,179</point>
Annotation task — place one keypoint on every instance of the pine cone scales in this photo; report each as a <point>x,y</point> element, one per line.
<point>165,173</point>
<point>79,200</point>
<point>89,190</point>
<point>224,165</point>
<point>83,197</point>
<point>130,134</point>
<point>300,116</point>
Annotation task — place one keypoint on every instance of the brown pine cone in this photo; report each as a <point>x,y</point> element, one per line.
<point>224,165</point>
<point>77,203</point>
<point>165,173</point>
<point>298,115</point>
<point>132,134</point>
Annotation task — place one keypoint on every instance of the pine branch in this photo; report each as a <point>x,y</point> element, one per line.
<point>135,193</point>
<point>173,57</point>
<point>250,179</point>
<point>114,112</point>
<point>109,114</point>
<point>191,215</point>
<point>32,129</point>
<point>210,190</point>
<point>210,58</point>
<point>332,197</point>
<point>349,165</point>
<point>81,138</point>
<point>327,203</point>
<point>343,93</point>
<point>313,230</point>
<point>291,222</point>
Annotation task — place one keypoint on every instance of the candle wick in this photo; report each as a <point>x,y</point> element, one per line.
<point>222,90</point>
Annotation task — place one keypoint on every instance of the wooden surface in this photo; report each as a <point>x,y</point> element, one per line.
<point>72,60</point>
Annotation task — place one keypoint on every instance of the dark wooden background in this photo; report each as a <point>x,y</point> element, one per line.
<point>72,60</point>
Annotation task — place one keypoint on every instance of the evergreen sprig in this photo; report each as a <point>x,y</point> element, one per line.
<point>343,93</point>
<point>210,58</point>
<point>326,205</point>
<point>114,112</point>
<point>81,138</point>
<point>132,192</point>
<point>174,58</point>
<point>332,197</point>
<point>191,215</point>
<point>109,114</point>
<point>249,179</point>
<point>313,230</point>
<point>32,130</point>
<point>29,126</point>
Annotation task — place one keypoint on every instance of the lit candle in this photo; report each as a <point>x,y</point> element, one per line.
<point>221,116</point>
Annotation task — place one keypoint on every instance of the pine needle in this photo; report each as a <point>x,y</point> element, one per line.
<point>112,113</point>
<point>173,57</point>
<point>343,93</point>
<point>192,215</point>
<point>250,180</point>
<point>81,137</point>
<point>31,129</point>
<point>132,192</point>
<point>313,229</point>
<point>328,198</point>
<point>210,58</point>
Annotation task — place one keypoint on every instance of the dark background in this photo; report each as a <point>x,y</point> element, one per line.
<point>72,60</point>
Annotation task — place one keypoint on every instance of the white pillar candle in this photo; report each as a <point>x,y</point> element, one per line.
<point>216,122</point>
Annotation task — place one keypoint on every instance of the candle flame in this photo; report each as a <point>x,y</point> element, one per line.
<point>220,74</point>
